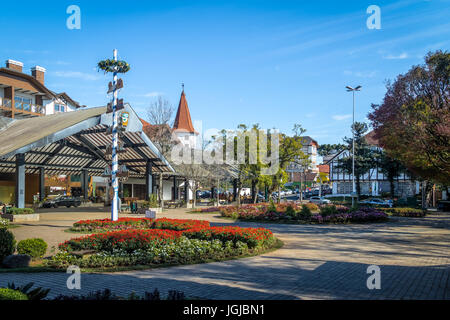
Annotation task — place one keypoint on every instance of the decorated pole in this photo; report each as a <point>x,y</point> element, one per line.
<point>114,66</point>
<point>115,159</point>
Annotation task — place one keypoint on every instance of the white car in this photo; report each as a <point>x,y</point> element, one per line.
<point>378,202</point>
<point>319,200</point>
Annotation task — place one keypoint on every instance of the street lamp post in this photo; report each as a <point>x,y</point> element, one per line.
<point>357,88</point>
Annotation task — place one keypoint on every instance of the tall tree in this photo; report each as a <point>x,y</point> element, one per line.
<point>160,114</point>
<point>327,149</point>
<point>413,122</point>
<point>365,156</point>
<point>391,168</point>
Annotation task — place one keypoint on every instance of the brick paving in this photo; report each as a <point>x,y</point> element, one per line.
<point>316,262</point>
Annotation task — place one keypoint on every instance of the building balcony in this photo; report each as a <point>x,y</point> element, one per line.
<point>20,108</point>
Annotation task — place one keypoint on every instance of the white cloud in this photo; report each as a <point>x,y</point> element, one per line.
<point>340,117</point>
<point>152,94</point>
<point>360,74</point>
<point>401,56</point>
<point>76,74</point>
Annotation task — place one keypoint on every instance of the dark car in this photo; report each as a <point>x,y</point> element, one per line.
<point>444,205</point>
<point>62,201</point>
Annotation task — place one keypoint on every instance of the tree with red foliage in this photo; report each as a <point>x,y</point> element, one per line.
<point>413,122</point>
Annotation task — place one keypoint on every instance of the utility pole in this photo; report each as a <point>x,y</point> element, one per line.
<point>353,142</point>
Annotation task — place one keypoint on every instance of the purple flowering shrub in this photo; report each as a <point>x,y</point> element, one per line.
<point>295,212</point>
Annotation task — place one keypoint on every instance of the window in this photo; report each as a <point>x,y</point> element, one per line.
<point>22,103</point>
<point>60,108</point>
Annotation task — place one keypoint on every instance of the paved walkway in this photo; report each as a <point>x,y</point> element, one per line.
<point>317,262</point>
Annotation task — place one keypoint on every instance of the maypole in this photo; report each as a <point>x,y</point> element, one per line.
<point>114,66</point>
<point>115,159</point>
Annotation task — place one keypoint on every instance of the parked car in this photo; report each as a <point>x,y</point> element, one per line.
<point>62,201</point>
<point>319,200</point>
<point>444,205</point>
<point>377,202</point>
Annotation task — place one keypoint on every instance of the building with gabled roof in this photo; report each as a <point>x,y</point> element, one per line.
<point>374,182</point>
<point>25,95</point>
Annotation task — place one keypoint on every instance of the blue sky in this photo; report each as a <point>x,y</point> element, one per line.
<point>275,63</point>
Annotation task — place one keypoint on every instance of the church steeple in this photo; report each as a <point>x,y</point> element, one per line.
<point>183,120</point>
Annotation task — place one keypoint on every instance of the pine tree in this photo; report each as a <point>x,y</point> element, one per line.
<point>365,156</point>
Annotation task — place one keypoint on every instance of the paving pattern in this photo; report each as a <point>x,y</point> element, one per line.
<point>316,262</point>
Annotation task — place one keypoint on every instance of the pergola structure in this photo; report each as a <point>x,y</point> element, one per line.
<point>76,143</point>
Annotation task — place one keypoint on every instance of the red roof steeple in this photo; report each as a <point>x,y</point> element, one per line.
<point>183,120</point>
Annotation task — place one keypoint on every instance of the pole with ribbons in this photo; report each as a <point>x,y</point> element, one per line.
<point>114,66</point>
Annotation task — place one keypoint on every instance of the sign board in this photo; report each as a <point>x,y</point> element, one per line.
<point>150,214</point>
<point>124,119</point>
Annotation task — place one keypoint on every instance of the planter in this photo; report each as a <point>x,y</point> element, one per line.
<point>189,205</point>
<point>142,210</point>
<point>21,217</point>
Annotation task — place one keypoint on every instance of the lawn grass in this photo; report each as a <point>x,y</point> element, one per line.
<point>40,267</point>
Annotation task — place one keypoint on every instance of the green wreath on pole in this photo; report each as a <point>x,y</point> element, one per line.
<point>110,65</point>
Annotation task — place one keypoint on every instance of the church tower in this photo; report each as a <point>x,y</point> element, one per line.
<point>182,126</point>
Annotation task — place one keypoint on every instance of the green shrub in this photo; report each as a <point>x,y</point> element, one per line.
<point>290,211</point>
<point>272,207</point>
<point>35,294</point>
<point>305,213</point>
<point>312,206</point>
<point>35,248</point>
<point>7,243</point>
<point>4,223</point>
<point>328,210</point>
<point>152,202</point>
<point>10,294</point>
<point>14,210</point>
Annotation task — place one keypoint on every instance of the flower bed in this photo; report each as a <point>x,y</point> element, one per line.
<point>169,241</point>
<point>405,212</point>
<point>108,224</point>
<point>179,224</point>
<point>136,223</point>
<point>127,240</point>
<point>303,213</point>
<point>253,237</point>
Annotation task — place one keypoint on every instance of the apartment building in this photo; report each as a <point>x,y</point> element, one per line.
<point>296,172</point>
<point>25,95</point>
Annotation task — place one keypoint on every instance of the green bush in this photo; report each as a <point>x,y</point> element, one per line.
<point>15,210</point>
<point>10,294</point>
<point>7,243</point>
<point>271,207</point>
<point>35,248</point>
<point>312,206</point>
<point>152,202</point>
<point>328,210</point>
<point>305,213</point>
<point>4,223</point>
<point>290,211</point>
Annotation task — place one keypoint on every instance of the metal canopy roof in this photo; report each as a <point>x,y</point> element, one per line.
<point>67,143</point>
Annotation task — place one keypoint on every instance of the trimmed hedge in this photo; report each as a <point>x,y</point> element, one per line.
<point>7,243</point>
<point>35,247</point>
<point>15,210</point>
<point>10,294</point>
